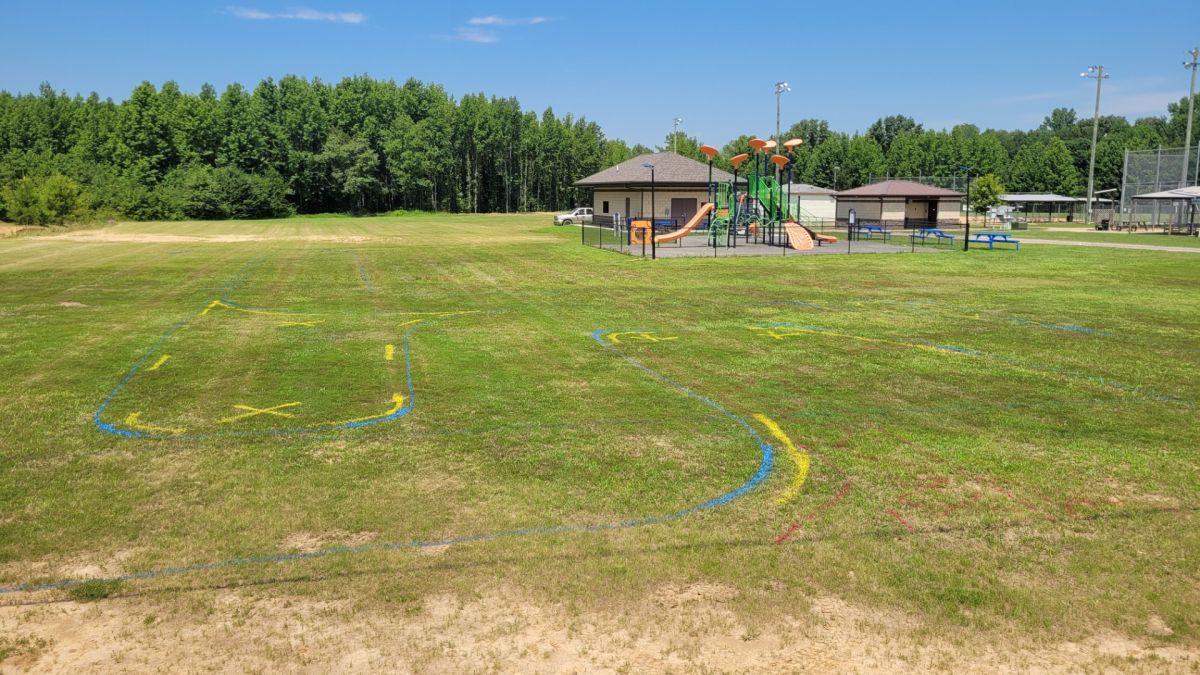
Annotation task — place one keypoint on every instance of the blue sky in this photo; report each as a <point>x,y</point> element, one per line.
<point>633,66</point>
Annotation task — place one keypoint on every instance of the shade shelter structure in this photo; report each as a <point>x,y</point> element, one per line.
<point>1185,203</point>
<point>1032,203</point>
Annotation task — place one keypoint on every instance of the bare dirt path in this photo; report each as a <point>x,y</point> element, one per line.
<point>1105,244</point>
<point>674,629</point>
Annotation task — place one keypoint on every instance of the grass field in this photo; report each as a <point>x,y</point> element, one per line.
<point>841,462</point>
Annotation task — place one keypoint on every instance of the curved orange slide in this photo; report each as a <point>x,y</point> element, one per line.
<point>687,227</point>
<point>798,236</point>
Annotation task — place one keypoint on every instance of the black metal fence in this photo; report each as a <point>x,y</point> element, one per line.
<point>633,237</point>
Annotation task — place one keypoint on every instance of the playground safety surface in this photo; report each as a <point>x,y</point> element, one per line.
<point>696,249</point>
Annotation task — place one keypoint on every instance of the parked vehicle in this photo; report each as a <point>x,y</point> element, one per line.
<point>582,215</point>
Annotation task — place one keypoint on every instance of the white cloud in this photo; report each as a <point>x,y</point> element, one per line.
<point>487,29</point>
<point>476,35</point>
<point>298,13</point>
<point>502,21</point>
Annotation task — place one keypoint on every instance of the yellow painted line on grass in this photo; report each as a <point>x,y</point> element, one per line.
<point>640,336</point>
<point>432,315</point>
<point>302,323</point>
<point>273,410</point>
<point>132,421</point>
<point>218,303</point>
<point>161,360</point>
<point>398,403</point>
<point>389,352</point>
<point>798,332</point>
<point>800,459</point>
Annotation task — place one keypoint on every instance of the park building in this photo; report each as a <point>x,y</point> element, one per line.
<point>901,203</point>
<point>680,186</point>
<point>812,202</point>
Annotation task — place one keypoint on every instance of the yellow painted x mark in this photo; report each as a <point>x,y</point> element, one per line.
<point>273,410</point>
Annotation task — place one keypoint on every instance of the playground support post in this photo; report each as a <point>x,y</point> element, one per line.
<point>653,215</point>
<point>967,232</point>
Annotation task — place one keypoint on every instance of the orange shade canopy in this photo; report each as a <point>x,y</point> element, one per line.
<point>792,144</point>
<point>757,143</point>
<point>737,160</point>
<point>770,145</point>
<point>779,161</point>
<point>709,151</point>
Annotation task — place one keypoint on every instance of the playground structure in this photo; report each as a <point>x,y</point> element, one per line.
<point>761,213</point>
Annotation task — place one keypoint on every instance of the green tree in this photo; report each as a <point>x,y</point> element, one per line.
<point>985,192</point>
<point>1044,165</point>
<point>23,203</point>
<point>886,129</point>
<point>352,165</point>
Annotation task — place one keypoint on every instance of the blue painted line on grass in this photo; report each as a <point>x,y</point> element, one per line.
<point>765,465</point>
<point>410,401</point>
<point>362,274</point>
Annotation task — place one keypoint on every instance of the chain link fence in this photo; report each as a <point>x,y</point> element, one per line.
<point>1147,171</point>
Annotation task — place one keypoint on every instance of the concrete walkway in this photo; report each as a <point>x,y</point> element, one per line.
<point>1105,244</point>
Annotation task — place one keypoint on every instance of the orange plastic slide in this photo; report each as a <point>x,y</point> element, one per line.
<point>798,236</point>
<point>688,227</point>
<point>823,238</point>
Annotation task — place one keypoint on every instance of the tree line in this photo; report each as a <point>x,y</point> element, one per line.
<point>1052,158</point>
<point>371,146</point>
<point>292,146</point>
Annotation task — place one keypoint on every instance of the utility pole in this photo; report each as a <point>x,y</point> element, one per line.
<point>675,131</point>
<point>1187,138</point>
<point>1097,73</point>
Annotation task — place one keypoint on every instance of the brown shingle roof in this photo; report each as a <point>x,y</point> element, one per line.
<point>898,188</point>
<point>669,169</point>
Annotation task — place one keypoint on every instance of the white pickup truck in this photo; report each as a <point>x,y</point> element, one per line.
<point>581,215</point>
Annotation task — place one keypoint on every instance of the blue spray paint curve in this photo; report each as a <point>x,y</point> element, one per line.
<point>766,463</point>
<point>281,431</point>
<point>1009,360</point>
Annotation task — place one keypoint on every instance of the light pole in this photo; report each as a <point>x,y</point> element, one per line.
<point>780,88</point>
<point>653,251</point>
<point>835,169</point>
<point>675,131</point>
<point>1097,73</point>
<point>1187,138</point>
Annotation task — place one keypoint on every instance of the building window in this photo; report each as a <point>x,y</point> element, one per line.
<point>605,209</point>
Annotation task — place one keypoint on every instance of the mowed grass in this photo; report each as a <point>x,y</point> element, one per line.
<point>1000,440</point>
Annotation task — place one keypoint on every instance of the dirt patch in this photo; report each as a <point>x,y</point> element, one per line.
<point>1157,627</point>
<point>674,629</point>
<point>7,230</point>
<point>307,542</point>
<point>117,237</point>
<point>79,566</point>
<point>434,550</point>
<point>72,304</point>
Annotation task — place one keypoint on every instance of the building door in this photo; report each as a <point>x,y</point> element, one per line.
<point>627,212</point>
<point>933,213</point>
<point>683,208</point>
